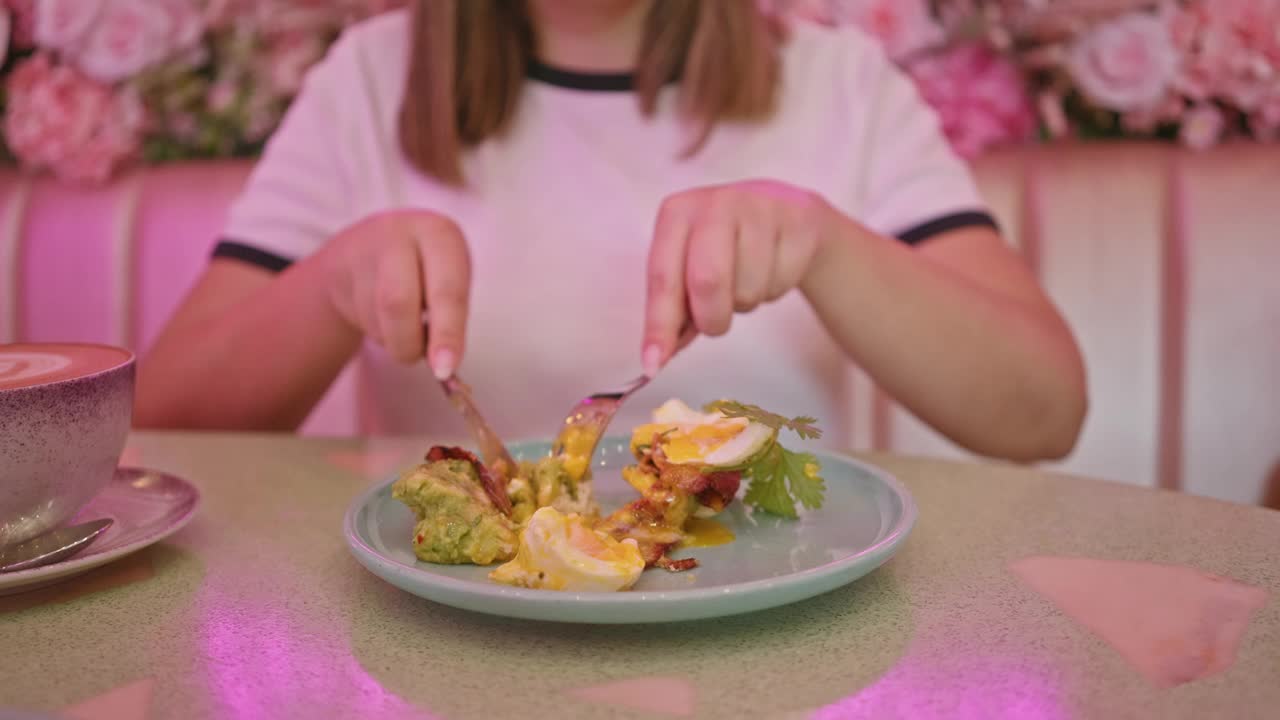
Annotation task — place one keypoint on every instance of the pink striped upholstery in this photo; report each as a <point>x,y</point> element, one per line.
<point>1166,262</point>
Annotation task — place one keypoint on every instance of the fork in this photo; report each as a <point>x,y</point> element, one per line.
<point>586,422</point>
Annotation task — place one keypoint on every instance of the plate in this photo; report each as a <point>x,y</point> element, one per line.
<point>773,561</point>
<point>147,506</point>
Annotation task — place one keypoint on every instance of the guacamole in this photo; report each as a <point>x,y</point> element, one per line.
<point>457,523</point>
<point>547,483</point>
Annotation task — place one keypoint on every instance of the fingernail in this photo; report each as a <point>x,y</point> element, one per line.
<point>652,360</point>
<point>443,363</point>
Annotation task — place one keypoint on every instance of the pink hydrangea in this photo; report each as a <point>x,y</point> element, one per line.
<point>1126,63</point>
<point>60,119</point>
<point>1231,50</point>
<point>979,95</point>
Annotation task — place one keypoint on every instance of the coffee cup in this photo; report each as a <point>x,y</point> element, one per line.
<point>65,413</point>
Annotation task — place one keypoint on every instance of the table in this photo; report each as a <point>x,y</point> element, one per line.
<point>257,609</point>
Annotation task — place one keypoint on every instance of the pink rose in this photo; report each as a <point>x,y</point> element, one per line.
<point>980,97</point>
<point>61,24</point>
<point>1202,127</point>
<point>58,118</point>
<point>130,35</point>
<point>902,26</point>
<point>1126,63</point>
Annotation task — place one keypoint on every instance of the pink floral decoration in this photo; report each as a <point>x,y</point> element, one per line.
<point>59,118</point>
<point>113,41</point>
<point>902,26</point>
<point>979,95</point>
<point>1202,127</point>
<point>22,29</point>
<point>1125,64</point>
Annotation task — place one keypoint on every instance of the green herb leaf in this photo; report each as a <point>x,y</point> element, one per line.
<point>780,478</point>
<point>803,426</point>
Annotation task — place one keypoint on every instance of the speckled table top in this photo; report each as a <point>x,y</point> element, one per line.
<point>257,609</point>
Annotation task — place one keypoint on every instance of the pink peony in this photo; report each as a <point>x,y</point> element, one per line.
<point>1231,49</point>
<point>58,118</point>
<point>1202,127</point>
<point>1125,64</point>
<point>902,26</point>
<point>979,95</point>
<point>129,35</point>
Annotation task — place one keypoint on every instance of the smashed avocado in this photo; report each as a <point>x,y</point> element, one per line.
<point>457,523</point>
<point>547,483</point>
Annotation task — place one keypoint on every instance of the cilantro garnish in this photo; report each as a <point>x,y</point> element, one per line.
<point>779,478</point>
<point>802,426</point>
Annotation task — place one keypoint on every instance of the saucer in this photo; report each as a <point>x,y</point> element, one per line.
<point>146,505</point>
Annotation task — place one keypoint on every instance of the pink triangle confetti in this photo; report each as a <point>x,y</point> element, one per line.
<point>1173,624</point>
<point>663,695</point>
<point>127,702</point>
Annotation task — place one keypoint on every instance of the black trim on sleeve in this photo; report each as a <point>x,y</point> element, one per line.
<point>252,255</point>
<point>946,223</point>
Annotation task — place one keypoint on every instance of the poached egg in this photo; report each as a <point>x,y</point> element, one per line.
<point>690,437</point>
<point>561,552</point>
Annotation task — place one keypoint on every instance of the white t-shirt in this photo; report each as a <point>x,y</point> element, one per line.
<point>559,214</point>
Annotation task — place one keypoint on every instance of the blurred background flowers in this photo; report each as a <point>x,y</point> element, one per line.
<point>90,86</point>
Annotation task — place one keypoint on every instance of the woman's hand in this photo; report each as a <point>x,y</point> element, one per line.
<point>727,249</point>
<point>384,271</point>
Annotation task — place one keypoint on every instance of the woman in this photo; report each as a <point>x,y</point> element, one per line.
<point>563,185</point>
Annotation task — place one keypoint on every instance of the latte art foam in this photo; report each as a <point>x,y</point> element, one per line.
<point>28,365</point>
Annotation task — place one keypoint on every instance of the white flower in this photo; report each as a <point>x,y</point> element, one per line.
<point>1125,64</point>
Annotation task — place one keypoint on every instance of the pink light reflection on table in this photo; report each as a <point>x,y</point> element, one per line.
<point>257,662</point>
<point>969,687</point>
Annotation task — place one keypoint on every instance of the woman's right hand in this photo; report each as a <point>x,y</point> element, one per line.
<point>384,271</point>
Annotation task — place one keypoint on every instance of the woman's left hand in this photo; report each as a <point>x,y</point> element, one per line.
<point>727,249</point>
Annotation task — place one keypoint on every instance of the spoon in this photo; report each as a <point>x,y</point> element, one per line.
<point>51,547</point>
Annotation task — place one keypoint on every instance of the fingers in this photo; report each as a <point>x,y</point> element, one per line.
<point>446,277</point>
<point>397,302</point>
<point>665,304</point>
<point>709,274</point>
<point>753,261</point>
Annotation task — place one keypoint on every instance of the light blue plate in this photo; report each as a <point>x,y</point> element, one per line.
<point>774,561</point>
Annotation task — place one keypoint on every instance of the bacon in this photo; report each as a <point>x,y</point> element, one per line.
<point>721,489</point>
<point>675,566</point>
<point>494,483</point>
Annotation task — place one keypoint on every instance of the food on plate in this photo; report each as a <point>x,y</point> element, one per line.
<point>457,522</point>
<point>550,482</point>
<point>689,466</point>
<point>563,552</point>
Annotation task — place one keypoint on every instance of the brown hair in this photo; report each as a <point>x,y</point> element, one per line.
<point>468,60</point>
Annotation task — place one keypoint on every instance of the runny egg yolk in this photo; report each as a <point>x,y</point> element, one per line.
<point>560,552</point>
<point>576,452</point>
<point>688,444</point>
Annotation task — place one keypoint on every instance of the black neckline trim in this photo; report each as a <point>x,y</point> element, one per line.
<point>576,80</point>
